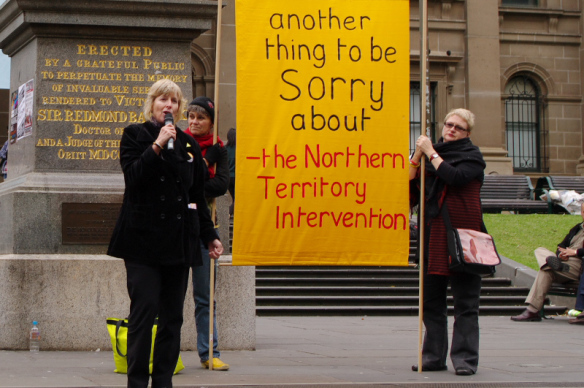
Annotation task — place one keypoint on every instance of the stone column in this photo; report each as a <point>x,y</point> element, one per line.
<point>89,66</point>
<point>483,85</point>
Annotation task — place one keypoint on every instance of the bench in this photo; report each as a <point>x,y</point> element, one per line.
<point>564,289</point>
<point>569,290</point>
<point>510,193</point>
<point>546,183</point>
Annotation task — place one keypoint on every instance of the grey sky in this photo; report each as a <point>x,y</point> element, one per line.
<point>4,71</point>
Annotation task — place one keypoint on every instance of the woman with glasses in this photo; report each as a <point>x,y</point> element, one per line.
<point>454,176</point>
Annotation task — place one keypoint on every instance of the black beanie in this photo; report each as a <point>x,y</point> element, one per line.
<point>207,104</point>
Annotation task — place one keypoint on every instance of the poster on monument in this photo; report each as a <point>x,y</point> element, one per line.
<point>25,105</point>
<point>13,117</point>
<point>322,133</point>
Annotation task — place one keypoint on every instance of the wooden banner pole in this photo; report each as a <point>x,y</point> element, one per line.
<point>423,107</point>
<point>213,206</point>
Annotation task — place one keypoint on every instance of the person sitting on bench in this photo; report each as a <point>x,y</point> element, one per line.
<point>562,267</point>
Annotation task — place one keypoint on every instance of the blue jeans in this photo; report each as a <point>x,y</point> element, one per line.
<point>201,295</point>
<point>580,296</point>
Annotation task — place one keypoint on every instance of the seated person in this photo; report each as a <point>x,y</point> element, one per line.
<point>562,267</point>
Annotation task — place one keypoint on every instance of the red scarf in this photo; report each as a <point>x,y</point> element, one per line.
<point>205,142</point>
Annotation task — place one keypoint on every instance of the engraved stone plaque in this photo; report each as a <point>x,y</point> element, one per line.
<point>89,223</point>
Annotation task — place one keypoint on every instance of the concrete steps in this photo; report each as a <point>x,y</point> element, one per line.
<point>381,291</point>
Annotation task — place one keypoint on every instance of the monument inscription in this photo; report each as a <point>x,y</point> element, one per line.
<point>89,92</point>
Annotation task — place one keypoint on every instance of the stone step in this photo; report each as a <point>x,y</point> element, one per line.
<point>356,281</point>
<point>286,291</point>
<point>384,311</point>
<point>375,301</point>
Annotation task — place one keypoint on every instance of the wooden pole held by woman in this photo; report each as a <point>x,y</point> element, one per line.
<point>423,119</point>
<point>213,206</point>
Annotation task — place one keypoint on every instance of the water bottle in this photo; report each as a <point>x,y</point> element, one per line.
<point>35,338</point>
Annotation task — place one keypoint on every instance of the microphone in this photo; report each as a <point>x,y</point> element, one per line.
<point>168,119</point>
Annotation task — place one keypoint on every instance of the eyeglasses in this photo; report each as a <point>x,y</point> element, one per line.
<point>457,127</point>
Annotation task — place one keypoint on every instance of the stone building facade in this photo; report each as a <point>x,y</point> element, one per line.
<point>517,64</point>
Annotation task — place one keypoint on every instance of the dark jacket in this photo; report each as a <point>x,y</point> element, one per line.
<point>156,225</point>
<point>568,239</point>
<point>231,157</point>
<point>218,185</point>
<point>457,182</point>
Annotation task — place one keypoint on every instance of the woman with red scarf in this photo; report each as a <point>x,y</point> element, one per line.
<point>201,117</point>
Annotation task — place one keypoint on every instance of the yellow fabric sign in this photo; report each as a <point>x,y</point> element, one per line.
<point>322,132</point>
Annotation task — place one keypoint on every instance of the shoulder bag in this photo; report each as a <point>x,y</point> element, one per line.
<point>470,251</point>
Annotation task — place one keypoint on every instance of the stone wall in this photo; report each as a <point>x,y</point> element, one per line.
<point>71,296</point>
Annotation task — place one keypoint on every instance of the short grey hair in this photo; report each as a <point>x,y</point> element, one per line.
<point>464,114</point>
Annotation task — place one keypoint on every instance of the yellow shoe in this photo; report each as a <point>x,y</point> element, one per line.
<point>217,364</point>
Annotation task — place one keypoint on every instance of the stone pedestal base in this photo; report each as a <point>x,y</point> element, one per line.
<point>72,295</point>
<point>580,166</point>
<point>497,161</point>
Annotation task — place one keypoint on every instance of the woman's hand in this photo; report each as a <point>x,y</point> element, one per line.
<point>215,249</point>
<point>424,145</point>
<point>565,253</point>
<point>213,154</point>
<point>166,133</point>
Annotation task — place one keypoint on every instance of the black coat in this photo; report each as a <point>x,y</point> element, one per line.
<point>568,240</point>
<point>218,185</point>
<point>156,225</point>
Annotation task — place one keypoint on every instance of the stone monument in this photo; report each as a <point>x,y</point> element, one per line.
<point>80,72</point>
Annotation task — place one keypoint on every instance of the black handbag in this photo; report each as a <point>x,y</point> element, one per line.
<point>470,251</point>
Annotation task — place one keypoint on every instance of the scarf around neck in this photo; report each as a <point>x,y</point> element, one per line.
<point>453,153</point>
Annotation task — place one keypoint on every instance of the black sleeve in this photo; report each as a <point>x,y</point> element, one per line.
<point>566,241</point>
<point>461,174</point>
<point>196,195</point>
<point>218,185</point>
<point>138,160</point>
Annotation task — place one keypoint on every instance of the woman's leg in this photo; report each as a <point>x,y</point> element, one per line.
<point>435,347</point>
<point>143,283</point>
<point>170,319</point>
<point>466,291</point>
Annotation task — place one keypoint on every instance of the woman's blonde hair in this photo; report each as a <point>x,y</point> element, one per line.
<point>164,87</point>
<point>464,114</point>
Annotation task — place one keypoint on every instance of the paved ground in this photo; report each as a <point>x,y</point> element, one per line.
<point>327,351</point>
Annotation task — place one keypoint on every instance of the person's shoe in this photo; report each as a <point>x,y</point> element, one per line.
<point>574,313</point>
<point>527,316</point>
<point>556,264</point>
<point>217,364</point>
<point>430,369</point>
<point>464,371</point>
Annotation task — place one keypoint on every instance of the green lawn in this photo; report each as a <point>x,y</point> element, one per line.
<point>517,235</point>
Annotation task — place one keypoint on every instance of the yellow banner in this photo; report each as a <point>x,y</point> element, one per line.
<point>322,132</point>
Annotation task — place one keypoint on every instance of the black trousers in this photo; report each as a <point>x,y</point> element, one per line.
<point>154,291</point>
<point>464,352</point>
